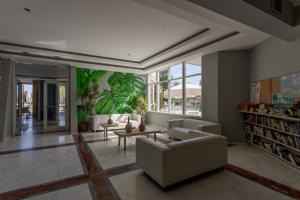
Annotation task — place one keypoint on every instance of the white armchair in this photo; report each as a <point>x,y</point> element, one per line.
<point>170,163</point>
<point>181,128</point>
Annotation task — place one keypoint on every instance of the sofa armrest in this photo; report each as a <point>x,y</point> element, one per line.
<point>94,122</point>
<point>139,119</point>
<point>150,157</point>
<point>196,156</point>
<point>175,123</point>
<point>211,128</point>
<point>197,134</point>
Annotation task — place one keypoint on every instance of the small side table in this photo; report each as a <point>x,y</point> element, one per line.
<point>135,132</point>
<point>106,126</point>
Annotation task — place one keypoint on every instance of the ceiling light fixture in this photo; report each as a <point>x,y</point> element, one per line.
<point>27,9</point>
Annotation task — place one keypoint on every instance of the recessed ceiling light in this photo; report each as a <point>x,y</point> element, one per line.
<point>27,9</point>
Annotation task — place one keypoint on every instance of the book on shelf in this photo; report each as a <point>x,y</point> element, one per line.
<point>280,137</point>
<point>291,158</point>
<point>273,135</point>
<point>278,150</point>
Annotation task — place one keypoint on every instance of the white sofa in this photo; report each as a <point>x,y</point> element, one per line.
<point>180,129</point>
<point>170,163</point>
<point>96,120</point>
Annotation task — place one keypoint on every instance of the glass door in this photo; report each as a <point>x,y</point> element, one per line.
<point>56,114</point>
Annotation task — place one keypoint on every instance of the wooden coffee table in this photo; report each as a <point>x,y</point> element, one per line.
<point>135,132</point>
<point>106,126</point>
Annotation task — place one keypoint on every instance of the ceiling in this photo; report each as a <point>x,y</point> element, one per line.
<point>110,28</point>
<point>132,34</point>
<point>295,2</point>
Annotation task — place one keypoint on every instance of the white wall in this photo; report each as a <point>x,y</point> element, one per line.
<point>6,99</point>
<point>233,89</point>
<point>0,73</point>
<point>42,71</point>
<point>210,89</point>
<point>274,57</point>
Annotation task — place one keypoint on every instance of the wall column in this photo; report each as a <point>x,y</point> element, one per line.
<point>73,100</point>
<point>7,99</point>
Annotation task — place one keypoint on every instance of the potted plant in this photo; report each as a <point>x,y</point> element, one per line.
<point>88,94</point>
<point>141,108</point>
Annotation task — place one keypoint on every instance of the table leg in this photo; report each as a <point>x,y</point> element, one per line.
<point>154,136</point>
<point>147,135</point>
<point>119,141</point>
<point>124,143</point>
<point>106,133</point>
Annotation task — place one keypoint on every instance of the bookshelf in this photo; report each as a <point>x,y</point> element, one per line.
<point>277,135</point>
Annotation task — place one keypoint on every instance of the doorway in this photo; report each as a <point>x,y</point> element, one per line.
<point>42,105</point>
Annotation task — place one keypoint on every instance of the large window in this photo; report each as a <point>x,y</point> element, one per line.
<point>176,90</point>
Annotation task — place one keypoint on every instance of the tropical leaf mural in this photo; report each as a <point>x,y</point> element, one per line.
<point>121,98</point>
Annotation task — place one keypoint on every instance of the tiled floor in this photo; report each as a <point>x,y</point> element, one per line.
<point>259,162</point>
<point>24,169</point>
<point>222,185</point>
<point>79,192</point>
<point>109,155</point>
<point>67,167</point>
<point>97,136</point>
<point>35,140</point>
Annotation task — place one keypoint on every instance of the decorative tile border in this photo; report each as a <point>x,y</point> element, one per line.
<point>264,181</point>
<point>44,188</point>
<point>37,148</point>
<point>120,170</point>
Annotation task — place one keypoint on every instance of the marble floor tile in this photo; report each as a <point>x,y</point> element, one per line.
<point>35,140</point>
<point>259,162</point>
<point>222,185</point>
<point>109,155</point>
<point>24,169</point>
<point>97,136</point>
<point>78,192</point>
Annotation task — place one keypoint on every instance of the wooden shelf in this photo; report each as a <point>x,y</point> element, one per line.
<point>274,129</point>
<point>280,143</point>
<point>270,153</point>
<point>261,138</point>
<point>274,116</point>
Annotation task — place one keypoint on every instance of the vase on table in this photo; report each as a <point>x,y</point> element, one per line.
<point>142,125</point>
<point>128,126</point>
<point>110,121</point>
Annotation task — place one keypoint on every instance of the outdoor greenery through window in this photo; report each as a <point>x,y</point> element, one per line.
<point>176,89</point>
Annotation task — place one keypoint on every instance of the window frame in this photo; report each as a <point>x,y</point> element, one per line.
<point>183,80</point>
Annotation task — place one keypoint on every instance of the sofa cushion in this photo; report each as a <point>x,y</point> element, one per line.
<point>191,123</point>
<point>178,133</point>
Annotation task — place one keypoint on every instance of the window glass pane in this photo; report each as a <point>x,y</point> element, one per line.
<point>176,96</point>
<point>192,69</point>
<point>152,78</point>
<point>152,97</point>
<point>163,75</point>
<point>163,97</point>
<point>193,95</point>
<point>176,71</point>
